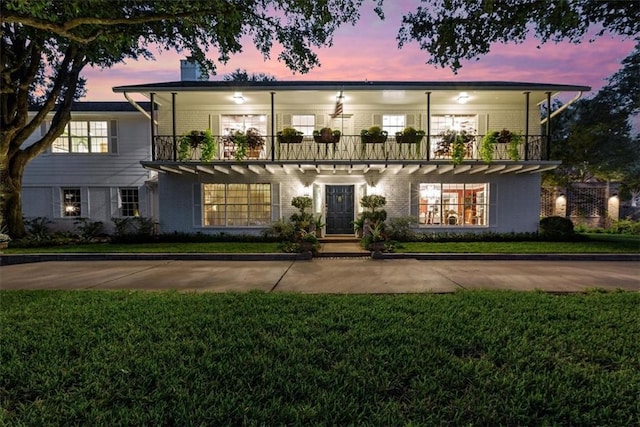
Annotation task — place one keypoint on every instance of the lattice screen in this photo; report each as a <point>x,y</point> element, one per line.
<point>586,202</point>
<point>546,202</point>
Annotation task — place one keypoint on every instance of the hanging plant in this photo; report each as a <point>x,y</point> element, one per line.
<point>513,151</point>
<point>487,146</point>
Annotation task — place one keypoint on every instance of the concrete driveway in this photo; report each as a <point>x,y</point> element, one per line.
<point>324,275</point>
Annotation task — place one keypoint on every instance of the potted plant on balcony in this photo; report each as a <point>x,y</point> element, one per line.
<point>455,144</point>
<point>245,144</point>
<point>511,139</point>
<point>289,135</point>
<point>373,135</point>
<point>194,139</point>
<point>326,136</point>
<point>409,135</point>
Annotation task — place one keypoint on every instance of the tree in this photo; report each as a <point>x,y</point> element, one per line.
<point>452,30</point>
<point>47,43</point>
<point>239,75</point>
<point>594,137</point>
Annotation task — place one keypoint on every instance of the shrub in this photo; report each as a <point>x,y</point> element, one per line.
<point>37,227</point>
<point>400,228</point>
<point>556,227</point>
<point>280,230</point>
<point>88,229</point>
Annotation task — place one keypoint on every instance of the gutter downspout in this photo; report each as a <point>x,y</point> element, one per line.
<point>562,108</point>
<point>138,107</point>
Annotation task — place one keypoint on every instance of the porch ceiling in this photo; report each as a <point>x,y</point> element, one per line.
<point>406,168</point>
<point>355,93</point>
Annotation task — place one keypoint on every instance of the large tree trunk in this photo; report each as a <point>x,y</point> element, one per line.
<point>11,172</point>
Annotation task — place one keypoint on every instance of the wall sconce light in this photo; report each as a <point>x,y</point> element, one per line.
<point>463,98</point>
<point>238,98</point>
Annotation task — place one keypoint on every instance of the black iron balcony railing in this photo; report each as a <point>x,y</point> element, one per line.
<point>351,148</point>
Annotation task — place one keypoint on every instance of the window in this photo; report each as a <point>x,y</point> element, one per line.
<point>129,202</point>
<point>242,122</point>
<point>304,123</point>
<point>236,205</point>
<point>71,202</point>
<point>83,137</point>
<point>393,123</point>
<point>441,123</point>
<point>453,204</point>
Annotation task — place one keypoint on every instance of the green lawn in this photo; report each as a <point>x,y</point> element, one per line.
<point>596,243</point>
<point>209,247</point>
<point>104,358</point>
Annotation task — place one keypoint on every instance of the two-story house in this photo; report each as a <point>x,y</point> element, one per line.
<point>127,159</point>
<point>445,180</point>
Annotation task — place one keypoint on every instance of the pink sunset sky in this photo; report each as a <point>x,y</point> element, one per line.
<point>369,51</point>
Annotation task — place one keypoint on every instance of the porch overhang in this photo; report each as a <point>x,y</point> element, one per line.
<point>262,167</point>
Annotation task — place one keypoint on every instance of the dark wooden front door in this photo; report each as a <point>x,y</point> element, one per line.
<point>339,205</point>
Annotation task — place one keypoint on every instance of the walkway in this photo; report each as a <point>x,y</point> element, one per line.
<point>353,275</point>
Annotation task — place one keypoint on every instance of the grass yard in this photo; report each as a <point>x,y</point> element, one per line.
<point>469,358</point>
<point>596,243</point>
<point>209,247</point>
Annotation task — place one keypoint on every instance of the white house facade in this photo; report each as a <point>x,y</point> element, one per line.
<point>445,180</point>
<point>93,170</point>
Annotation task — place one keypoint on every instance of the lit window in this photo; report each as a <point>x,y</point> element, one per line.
<point>129,202</point>
<point>236,205</point>
<point>71,202</point>
<point>453,204</point>
<point>242,122</point>
<point>304,123</point>
<point>83,137</point>
<point>393,123</point>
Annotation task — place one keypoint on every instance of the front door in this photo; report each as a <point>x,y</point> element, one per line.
<point>339,203</point>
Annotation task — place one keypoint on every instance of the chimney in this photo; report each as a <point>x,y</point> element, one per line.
<point>191,71</point>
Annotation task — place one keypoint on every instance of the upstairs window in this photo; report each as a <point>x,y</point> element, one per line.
<point>304,123</point>
<point>83,137</point>
<point>241,122</point>
<point>393,123</point>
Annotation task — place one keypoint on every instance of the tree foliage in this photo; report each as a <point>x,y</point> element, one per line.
<point>594,138</point>
<point>239,75</point>
<point>453,30</point>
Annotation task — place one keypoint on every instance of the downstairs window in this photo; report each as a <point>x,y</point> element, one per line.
<point>453,204</point>
<point>236,205</point>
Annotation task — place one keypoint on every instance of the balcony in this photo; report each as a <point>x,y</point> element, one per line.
<point>351,149</point>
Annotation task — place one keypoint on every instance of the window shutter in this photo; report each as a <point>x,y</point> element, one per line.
<point>377,120</point>
<point>410,120</point>
<point>57,202</point>
<point>116,201</point>
<point>414,200</point>
<point>113,136</point>
<point>320,120</point>
<point>493,206</point>
<point>275,201</point>
<point>483,124</point>
<point>197,205</point>
<point>286,120</point>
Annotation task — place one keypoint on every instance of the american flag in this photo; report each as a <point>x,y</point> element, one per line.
<point>338,111</point>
